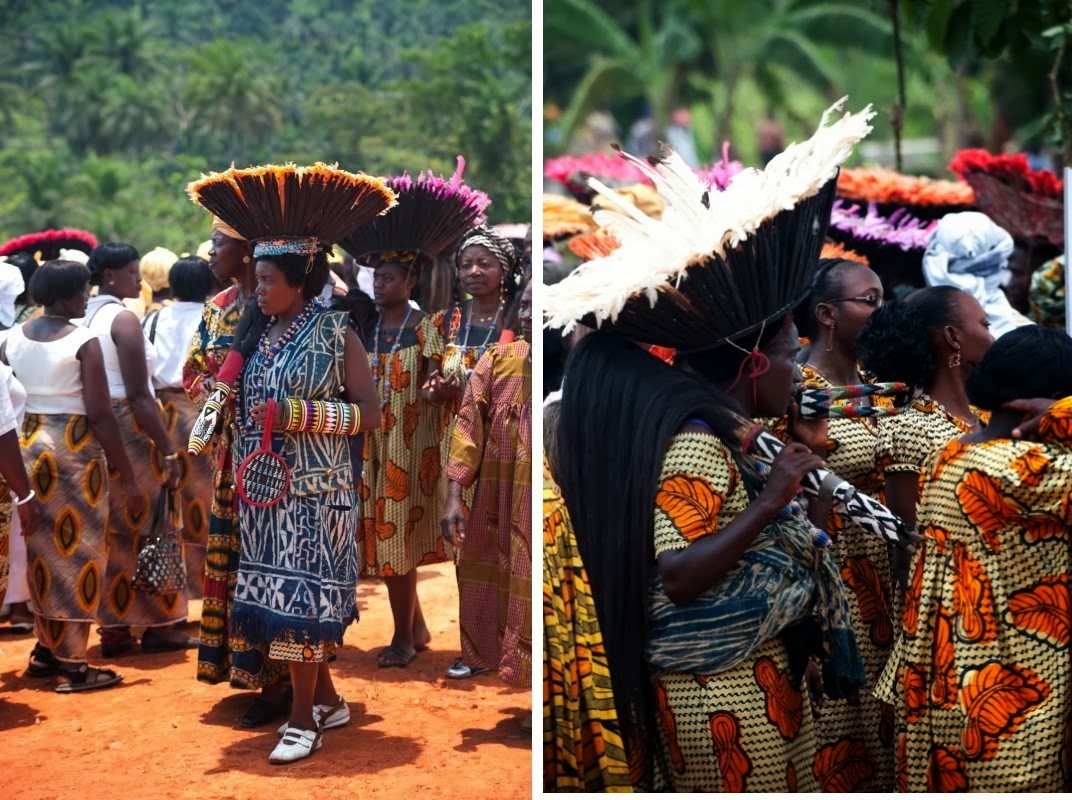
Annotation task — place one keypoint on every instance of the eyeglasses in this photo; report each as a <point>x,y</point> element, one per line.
<point>872,300</point>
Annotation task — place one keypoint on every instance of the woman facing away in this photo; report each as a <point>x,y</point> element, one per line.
<point>399,486</point>
<point>491,452</point>
<point>68,430</point>
<point>114,268</point>
<point>170,330</point>
<point>297,572</point>
<point>223,655</point>
<point>980,671</point>
<point>679,540</point>
<point>931,341</point>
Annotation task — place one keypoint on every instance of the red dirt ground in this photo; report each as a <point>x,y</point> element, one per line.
<point>164,735</point>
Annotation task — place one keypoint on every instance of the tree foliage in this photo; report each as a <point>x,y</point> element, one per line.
<point>109,108</point>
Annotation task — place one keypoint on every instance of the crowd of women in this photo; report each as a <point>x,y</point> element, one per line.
<point>707,625</point>
<point>402,434</point>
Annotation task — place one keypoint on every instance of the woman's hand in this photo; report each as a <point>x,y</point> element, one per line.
<point>174,473</point>
<point>1033,410</point>
<point>809,432</point>
<point>813,682</point>
<point>259,412</point>
<point>443,389</point>
<point>789,467</point>
<point>452,522</point>
<point>29,514</point>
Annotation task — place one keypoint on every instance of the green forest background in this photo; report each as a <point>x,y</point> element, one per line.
<point>976,73</point>
<point>108,109</point>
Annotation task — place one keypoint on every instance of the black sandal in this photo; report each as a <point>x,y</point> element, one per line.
<point>87,679</point>
<point>42,663</point>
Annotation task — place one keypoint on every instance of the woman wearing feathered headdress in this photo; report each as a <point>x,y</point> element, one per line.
<point>305,380</point>
<point>399,485</point>
<point>707,641</point>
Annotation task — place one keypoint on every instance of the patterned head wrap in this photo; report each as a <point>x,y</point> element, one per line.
<point>221,226</point>
<point>503,250</point>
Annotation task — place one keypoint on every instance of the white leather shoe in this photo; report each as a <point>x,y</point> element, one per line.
<point>295,745</point>
<point>327,717</point>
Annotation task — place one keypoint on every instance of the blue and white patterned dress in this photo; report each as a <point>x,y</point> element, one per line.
<point>297,574</point>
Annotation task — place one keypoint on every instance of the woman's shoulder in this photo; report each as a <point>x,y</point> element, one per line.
<point>223,300</point>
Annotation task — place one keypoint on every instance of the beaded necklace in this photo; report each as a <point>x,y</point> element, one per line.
<point>483,345</point>
<point>383,371</point>
<point>269,350</point>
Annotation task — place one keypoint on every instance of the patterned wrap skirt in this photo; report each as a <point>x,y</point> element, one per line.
<point>66,556</point>
<point>122,605</point>
<point>296,588</point>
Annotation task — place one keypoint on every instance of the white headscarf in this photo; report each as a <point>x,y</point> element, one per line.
<point>969,251</point>
<point>11,286</point>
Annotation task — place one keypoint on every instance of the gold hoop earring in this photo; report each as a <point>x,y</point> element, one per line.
<point>830,338</point>
<point>245,259</point>
<point>954,359</point>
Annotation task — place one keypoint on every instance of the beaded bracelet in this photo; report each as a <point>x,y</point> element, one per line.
<point>330,417</point>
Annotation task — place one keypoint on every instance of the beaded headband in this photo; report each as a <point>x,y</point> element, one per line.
<point>299,246</point>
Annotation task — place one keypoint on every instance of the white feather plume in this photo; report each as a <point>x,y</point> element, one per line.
<point>657,252</point>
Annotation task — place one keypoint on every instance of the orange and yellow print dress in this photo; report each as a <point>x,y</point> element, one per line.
<point>861,729</point>
<point>583,749</point>
<point>981,668</point>
<point>399,512</point>
<point>748,728</point>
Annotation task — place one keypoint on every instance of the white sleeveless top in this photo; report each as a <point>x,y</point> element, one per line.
<point>49,371</point>
<point>101,312</point>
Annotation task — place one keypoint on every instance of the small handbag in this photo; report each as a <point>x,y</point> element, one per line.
<point>160,568</point>
<point>263,477</point>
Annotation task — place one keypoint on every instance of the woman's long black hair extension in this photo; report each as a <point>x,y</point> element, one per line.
<point>620,408</point>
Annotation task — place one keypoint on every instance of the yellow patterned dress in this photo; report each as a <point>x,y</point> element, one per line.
<point>399,487</point>
<point>582,741</point>
<point>981,668</point>
<point>863,726</point>
<point>905,441</point>
<point>748,728</point>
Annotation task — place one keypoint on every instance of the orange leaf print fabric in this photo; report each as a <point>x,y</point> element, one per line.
<point>669,723</point>
<point>411,416</point>
<point>1042,611</point>
<point>996,700</point>
<point>784,702</point>
<point>844,766</point>
<point>915,692</point>
<point>1056,424</point>
<point>947,771</point>
<point>939,534</point>
<point>400,376</point>
<point>973,599</point>
<point>910,613</point>
<point>860,574</point>
<point>733,761</point>
<point>1030,466</point>
<point>429,471</point>
<point>950,453</point>
<point>397,488</point>
<point>943,663</point>
<point>691,503</point>
<point>986,507</point>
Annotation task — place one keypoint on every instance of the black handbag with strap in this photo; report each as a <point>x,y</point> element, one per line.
<point>160,568</point>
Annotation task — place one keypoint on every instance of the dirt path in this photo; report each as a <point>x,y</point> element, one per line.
<point>164,735</point>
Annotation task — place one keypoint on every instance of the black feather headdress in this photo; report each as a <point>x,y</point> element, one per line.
<point>307,206</point>
<point>716,265</point>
